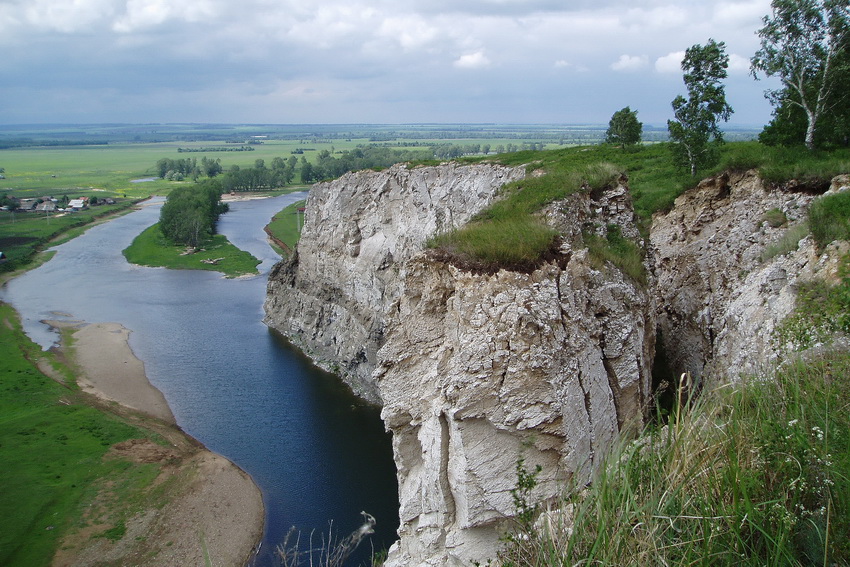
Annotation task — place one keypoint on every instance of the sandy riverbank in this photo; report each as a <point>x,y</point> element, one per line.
<point>213,511</point>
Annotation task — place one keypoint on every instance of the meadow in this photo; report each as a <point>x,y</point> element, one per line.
<point>107,160</point>
<point>44,498</point>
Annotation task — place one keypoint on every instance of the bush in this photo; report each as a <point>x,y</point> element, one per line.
<point>830,218</point>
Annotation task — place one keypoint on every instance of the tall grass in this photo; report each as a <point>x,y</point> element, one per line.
<point>829,217</point>
<point>618,250</point>
<point>750,474</point>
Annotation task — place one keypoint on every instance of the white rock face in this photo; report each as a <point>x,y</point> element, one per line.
<point>480,369</point>
<point>359,230</point>
<point>473,370</point>
<point>719,300</point>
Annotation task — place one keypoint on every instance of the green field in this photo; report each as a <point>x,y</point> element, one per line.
<point>42,497</point>
<point>22,234</point>
<point>286,226</point>
<point>104,160</point>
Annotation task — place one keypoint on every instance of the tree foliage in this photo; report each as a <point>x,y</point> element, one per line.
<point>805,44</point>
<point>190,213</point>
<point>695,132</point>
<point>624,128</point>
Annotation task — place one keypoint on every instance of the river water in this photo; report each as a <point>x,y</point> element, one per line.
<point>318,453</point>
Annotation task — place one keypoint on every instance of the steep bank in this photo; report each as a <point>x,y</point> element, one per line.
<point>476,370</point>
<point>473,370</point>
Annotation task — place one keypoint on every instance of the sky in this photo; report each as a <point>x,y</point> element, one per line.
<point>366,61</point>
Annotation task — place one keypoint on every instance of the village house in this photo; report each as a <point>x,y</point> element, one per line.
<point>77,204</point>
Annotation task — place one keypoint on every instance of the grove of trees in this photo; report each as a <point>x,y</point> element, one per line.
<point>190,212</point>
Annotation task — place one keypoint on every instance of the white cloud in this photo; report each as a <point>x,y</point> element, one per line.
<point>738,65</point>
<point>629,63</point>
<point>670,63</point>
<point>742,13</point>
<point>409,31</point>
<point>475,60</point>
<point>66,17</point>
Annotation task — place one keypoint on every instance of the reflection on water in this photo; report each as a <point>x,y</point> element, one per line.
<point>318,453</point>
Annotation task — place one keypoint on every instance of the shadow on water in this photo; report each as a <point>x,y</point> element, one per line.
<point>351,473</point>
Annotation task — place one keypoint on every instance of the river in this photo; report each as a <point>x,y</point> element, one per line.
<point>317,452</point>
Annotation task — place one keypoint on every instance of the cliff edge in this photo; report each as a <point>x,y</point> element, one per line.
<point>473,371</point>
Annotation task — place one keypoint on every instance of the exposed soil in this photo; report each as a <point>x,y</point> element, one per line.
<point>200,509</point>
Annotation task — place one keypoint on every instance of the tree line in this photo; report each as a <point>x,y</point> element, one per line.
<point>190,212</point>
<point>805,44</point>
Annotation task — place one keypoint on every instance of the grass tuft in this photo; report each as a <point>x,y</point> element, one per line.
<point>829,217</point>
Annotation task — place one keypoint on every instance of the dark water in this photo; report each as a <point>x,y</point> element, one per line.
<point>318,453</point>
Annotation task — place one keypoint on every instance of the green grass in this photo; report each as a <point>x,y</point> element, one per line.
<point>517,243</point>
<point>654,182</point>
<point>751,474</point>
<point>51,447</point>
<point>151,248</point>
<point>286,226</point>
<point>626,255</point>
<point>788,243</point>
<point>829,217</point>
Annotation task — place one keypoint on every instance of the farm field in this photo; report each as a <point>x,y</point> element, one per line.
<point>108,160</point>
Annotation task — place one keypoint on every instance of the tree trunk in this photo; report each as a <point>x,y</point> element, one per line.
<point>810,130</point>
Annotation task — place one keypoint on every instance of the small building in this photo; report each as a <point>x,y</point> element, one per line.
<point>77,204</point>
<point>27,204</point>
<point>46,207</point>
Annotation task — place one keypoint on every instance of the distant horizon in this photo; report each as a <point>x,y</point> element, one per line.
<point>655,126</point>
<point>367,61</point>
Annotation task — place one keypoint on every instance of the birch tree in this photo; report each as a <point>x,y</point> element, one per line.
<point>695,132</point>
<point>804,43</point>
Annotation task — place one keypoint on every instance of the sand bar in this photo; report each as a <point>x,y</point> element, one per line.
<point>112,371</point>
<point>214,514</point>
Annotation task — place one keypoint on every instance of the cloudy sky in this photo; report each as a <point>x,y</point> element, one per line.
<point>364,61</point>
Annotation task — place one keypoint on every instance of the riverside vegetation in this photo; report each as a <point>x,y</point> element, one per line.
<point>74,485</point>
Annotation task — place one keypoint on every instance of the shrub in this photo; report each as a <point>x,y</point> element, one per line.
<point>830,218</point>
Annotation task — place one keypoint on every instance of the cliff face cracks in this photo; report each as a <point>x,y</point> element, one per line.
<point>473,370</point>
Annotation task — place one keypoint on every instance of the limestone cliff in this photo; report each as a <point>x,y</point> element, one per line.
<point>473,370</point>
<point>332,298</point>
